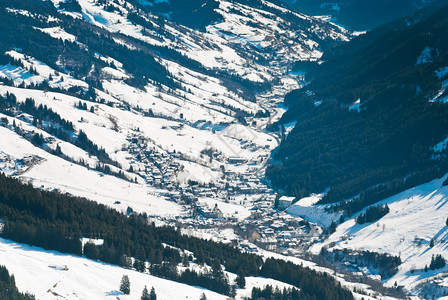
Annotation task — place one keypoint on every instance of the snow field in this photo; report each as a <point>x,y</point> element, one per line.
<point>52,275</point>
<point>99,127</point>
<point>20,75</point>
<point>228,209</point>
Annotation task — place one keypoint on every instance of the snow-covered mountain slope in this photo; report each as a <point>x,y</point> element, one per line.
<point>139,112</point>
<point>416,217</point>
<point>52,275</point>
<point>233,72</point>
<point>20,158</point>
<point>389,75</point>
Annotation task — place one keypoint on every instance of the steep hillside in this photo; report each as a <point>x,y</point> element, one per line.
<point>376,128</point>
<point>134,141</point>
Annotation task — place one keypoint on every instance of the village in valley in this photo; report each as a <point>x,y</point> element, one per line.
<point>236,206</point>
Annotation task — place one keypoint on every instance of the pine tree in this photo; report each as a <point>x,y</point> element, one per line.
<point>125,285</point>
<point>91,251</point>
<point>240,279</point>
<point>139,265</point>
<point>152,294</point>
<point>145,294</point>
<point>332,227</point>
<point>58,150</point>
<point>185,261</point>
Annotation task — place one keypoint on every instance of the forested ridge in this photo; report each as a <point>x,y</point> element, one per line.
<point>383,146</point>
<point>56,221</point>
<point>358,14</point>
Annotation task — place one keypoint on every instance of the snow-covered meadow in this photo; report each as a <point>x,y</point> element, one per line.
<point>52,275</point>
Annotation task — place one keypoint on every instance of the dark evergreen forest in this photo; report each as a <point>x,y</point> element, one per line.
<point>268,292</point>
<point>359,14</point>
<point>386,146</point>
<point>373,214</point>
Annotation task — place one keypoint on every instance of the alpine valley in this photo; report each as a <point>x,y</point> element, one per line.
<point>223,149</point>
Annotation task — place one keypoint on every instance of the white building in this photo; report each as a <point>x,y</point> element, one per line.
<point>285,201</point>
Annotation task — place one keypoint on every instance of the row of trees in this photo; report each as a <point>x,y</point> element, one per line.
<point>268,292</point>
<point>437,262</point>
<point>215,280</point>
<point>125,288</point>
<point>299,277</point>
<point>385,264</point>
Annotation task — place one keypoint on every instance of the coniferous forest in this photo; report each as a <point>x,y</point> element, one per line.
<point>382,145</point>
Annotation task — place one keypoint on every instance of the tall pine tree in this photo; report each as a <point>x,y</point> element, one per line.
<point>145,294</point>
<point>240,279</point>
<point>125,285</point>
<point>152,294</point>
